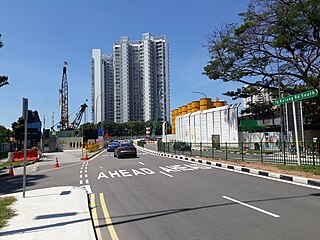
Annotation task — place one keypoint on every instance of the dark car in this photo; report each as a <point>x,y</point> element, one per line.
<point>125,149</point>
<point>112,146</point>
<point>181,146</point>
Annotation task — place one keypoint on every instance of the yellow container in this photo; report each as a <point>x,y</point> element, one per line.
<point>184,109</point>
<point>205,103</point>
<point>219,103</point>
<point>189,108</point>
<point>195,106</point>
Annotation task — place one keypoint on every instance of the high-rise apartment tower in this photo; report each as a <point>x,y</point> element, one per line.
<point>141,82</point>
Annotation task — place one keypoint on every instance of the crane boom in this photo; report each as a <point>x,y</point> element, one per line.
<point>76,122</point>
<point>64,100</point>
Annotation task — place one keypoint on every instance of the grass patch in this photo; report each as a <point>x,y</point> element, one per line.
<point>5,211</point>
<point>311,169</point>
<point>14,164</point>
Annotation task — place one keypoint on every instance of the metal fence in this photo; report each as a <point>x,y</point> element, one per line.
<point>265,152</point>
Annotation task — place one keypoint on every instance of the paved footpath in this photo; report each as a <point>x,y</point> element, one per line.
<point>50,213</point>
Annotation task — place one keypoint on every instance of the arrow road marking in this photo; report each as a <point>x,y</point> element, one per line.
<point>250,206</point>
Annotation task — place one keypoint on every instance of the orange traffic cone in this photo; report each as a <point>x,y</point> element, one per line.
<point>11,173</point>
<point>56,165</point>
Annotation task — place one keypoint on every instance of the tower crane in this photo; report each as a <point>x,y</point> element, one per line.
<point>64,121</point>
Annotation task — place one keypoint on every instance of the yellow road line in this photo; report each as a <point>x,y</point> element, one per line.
<point>111,229</point>
<point>95,216</point>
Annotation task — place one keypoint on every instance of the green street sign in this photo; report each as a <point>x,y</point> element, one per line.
<point>297,97</point>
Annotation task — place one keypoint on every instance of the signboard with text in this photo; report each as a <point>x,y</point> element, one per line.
<point>297,97</point>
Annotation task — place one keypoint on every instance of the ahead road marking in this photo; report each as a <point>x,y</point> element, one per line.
<point>165,174</point>
<point>95,216</point>
<point>111,229</point>
<point>250,206</point>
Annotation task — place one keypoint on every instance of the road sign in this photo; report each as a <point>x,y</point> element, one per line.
<point>296,97</point>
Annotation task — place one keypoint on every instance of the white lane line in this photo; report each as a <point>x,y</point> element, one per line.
<point>85,168</point>
<point>87,181</point>
<point>86,175</point>
<point>81,168</point>
<point>165,174</point>
<point>80,176</point>
<point>141,163</point>
<point>85,171</point>
<point>80,172</point>
<point>250,206</point>
<point>88,188</point>
<point>81,182</point>
<point>100,167</point>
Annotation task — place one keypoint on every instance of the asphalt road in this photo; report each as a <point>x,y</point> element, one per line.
<point>152,197</point>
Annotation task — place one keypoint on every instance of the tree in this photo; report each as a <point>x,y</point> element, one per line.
<point>3,79</point>
<point>5,134</point>
<point>277,45</point>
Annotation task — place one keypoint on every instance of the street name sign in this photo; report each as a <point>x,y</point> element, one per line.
<point>297,97</point>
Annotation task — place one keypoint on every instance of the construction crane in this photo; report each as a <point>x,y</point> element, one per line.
<point>64,121</point>
<point>76,122</point>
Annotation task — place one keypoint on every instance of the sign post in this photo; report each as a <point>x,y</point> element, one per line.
<point>292,98</point>
<point>25,118</point>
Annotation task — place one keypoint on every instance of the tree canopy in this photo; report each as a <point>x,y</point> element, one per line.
<point>277,45</point>
<point>3,79</point>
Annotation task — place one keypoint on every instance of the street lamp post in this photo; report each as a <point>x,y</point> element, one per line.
<point>200,93</point>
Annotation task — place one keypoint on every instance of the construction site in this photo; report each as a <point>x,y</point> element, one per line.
<point>65,137</point>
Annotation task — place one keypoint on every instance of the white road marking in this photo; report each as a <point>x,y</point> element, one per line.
<point>81,168</point>
<point>85,171</point>
<point>81,176</point>
<point>86,175</point>
<point>81,182</point>
<point>165,174</point>
<point>250,206</point>
<point>141,163</point>
<point>80,172</point>
<point>88,188</point>
<point>240,172</point>
<point>100,167</point>
<point>87,181</point>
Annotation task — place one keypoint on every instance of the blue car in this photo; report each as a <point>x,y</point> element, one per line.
<point>112,146</point>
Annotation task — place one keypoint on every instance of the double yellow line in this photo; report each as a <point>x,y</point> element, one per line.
<point>105,211</point>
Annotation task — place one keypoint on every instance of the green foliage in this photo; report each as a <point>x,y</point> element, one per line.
<point>262,110</point>
<point>277,41</point>
<point>5,134</point>
<point>5,211</point>
<point>131,128</point>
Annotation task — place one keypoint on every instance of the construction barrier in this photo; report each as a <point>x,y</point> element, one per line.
<point>32,155</point>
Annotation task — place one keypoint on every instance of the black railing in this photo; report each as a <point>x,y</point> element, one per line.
<point>266,152</point>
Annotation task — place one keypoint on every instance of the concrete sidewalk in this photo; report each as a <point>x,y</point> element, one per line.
<point>50,213</point>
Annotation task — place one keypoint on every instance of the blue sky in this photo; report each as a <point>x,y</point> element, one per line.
<point>39,35</point>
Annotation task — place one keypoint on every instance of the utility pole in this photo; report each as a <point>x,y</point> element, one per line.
<point>25,118</point>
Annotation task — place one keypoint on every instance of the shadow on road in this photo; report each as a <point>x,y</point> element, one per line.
<point>14,184</point>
